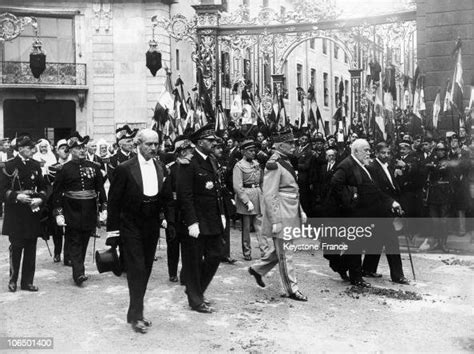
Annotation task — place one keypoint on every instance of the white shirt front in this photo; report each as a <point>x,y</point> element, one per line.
<point>387,172</point>
<point>149,176</point>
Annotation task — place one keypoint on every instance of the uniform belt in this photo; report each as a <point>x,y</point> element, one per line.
<point>251,185</point>
<point>148,200</point>
<point>289,195</point>
<point>86,194</point>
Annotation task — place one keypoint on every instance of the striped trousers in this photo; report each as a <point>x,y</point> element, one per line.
<point>278,255</point>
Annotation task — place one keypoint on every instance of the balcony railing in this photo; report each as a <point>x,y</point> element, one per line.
<point>15,72</point>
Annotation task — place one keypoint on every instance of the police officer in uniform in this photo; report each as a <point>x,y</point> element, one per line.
<point>247,181</point>
<point>23,190</point>
<point>78,192</point>
<point>282,209</point>
<point>200,200</point>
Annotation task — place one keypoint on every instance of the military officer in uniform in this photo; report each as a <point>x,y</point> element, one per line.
<point>78,193</point>
<point>63,154</point>
<point>200,201</point>
<point>247,181</point>
<point>23,190</point>
<point>282,209</point>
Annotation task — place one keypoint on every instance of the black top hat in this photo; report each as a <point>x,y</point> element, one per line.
<point>107,261</point>
<point>24,140</point>
<point>283,136</point>
<point>125,133</point>
<point>77,140</point>
<point>206,132</point>
<point>247,144</point>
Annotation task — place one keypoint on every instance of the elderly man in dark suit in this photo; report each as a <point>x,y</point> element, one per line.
<point>199,193</point>
<point>135,202</point>
<point>384,179</point>
<point>23,190</point>
<point>365,200</point>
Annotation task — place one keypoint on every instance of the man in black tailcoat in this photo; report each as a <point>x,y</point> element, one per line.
<point>135,203</point>
<point>78,196</point>
<point>23,190</point>
<point>199,194</point>
<point>357,195</point>
<point>384,179</point>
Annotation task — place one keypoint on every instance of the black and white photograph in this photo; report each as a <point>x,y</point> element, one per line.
<point>243,176</point>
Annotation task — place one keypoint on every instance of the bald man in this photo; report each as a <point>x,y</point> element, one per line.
<point>135,201</point>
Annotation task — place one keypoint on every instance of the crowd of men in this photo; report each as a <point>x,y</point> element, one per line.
<point>197,186</point>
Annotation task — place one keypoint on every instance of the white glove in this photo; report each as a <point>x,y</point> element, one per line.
<point>60,221</point>
<point>304,217</point>
<point>276,228</point>
<point>35,204</point>
<point>233,201</point>
<point>103,216</point>
<point>224,223</point>
<point>115,233</point>
<point>250,206</point>
<point>193,230</point>
<point>397,208</point>
<point>164,224</point>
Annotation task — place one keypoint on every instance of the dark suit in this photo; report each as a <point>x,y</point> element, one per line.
<point>370,202</point>
<point>390,239</point>
<point>20,223</point>
<point>115,160</point>
<point>305,157</point>
<point>137,217</point>
<point>199,194</point>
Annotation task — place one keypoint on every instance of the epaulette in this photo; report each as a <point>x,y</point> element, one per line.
<point>272,163</point>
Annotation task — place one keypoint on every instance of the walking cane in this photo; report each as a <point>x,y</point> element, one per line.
<point>47,245</point>
<point>409,255</point>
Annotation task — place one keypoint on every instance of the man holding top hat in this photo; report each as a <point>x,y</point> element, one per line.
<point>78,192</point>
<point>23,190</point>
<point>199,195</point>
<point>247,182</point>
<point>282,209</point>
<point>135,202</point>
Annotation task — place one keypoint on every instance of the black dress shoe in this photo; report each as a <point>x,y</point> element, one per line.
<point>258,277</point>
<point>81,279</point>
<point>174,279</point>
<point>29,287</point>
<point>361,283</point>
<point>12,286</point>
<point>203,308</point>
<point>57,258</point>
<point>147,322</point>
<point>402,280</point>
<point>344,275</point>
<point>371,275</point>
<point>298,296</point>
<point>139,326</point>
<point>228,260</point>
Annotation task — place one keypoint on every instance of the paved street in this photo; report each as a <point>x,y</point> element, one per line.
<point>248,318</point>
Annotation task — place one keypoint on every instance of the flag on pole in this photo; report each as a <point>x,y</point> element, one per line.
<point>380,132</point>
<point>447,98</point>
<point>436,110</point>
<point>282,113</point>
<point>457,83</point>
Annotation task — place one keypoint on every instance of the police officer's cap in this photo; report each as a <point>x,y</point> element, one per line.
<point>207,132</point>
<point>247,144</point>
